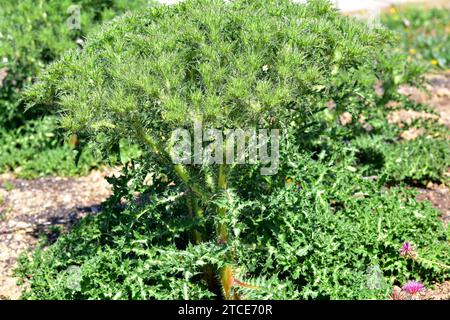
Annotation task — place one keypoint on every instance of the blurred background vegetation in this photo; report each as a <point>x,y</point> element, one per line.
<point>33,33</point>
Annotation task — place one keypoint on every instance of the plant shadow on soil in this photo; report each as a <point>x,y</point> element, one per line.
<point>55,226</point>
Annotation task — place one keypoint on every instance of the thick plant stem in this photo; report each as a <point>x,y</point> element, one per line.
<point>226,273</point>
<point>179,169</point>
<point>222,228</point>
<point>227,281</point>
<point>146,139</point>
<point>198,212</point>
<point>193,206</point>
<point>183,174</point>
<point>193,213</point>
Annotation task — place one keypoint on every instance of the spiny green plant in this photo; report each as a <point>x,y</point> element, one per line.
<point>317,235</point>
<point>272,65</point>
<point>148,74</point>
<point>416,162</point>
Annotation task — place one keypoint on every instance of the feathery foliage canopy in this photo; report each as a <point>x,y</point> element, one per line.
<point>232,64</point>
<point>35,33</point>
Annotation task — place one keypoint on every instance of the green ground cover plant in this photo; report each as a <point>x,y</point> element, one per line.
<point>314,238</point>
<point>382,152</point>
<point>317,229</point>
<point>35,150</point>
<point>415,162</point>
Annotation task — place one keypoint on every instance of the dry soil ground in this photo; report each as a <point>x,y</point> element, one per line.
<point>39,208</point>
